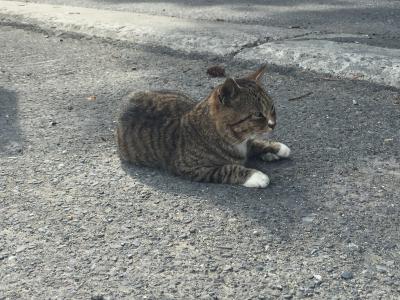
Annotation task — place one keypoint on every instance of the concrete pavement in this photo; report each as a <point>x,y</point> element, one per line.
<point>292,47</point>
<point>378,18</point>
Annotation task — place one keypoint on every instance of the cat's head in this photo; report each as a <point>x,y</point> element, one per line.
<point>242,109</point>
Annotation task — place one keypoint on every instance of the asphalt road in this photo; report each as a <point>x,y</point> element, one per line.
<point>76,224</point>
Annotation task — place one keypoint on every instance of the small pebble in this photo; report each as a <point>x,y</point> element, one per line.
<point>260,268</point>
<point>228,269</point>
<point>317,277</point>
<point>387,141</point>
<point>135,243</point>
<point>353,247</point>
<point>20,249</point>
<point>308,219</point>
<point>346,275</point>
<point>381,269</point>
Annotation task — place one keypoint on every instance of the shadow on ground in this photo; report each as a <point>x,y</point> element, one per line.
<point>11,140</point>
<point>221,2</point>
<point>278,207</point>
<point>331,139</point>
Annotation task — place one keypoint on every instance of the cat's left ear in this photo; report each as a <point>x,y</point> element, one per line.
<point>258,75</point>
<point>228,91</point>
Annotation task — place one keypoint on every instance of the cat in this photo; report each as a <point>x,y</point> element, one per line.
<point>206,141</point>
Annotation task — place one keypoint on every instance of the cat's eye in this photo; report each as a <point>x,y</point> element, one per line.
<point>258,115</point>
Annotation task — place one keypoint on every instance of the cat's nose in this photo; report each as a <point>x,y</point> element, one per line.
<point>271,124</point>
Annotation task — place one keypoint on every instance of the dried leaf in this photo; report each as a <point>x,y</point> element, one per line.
<point>216,71</point>
<point>91,98</point>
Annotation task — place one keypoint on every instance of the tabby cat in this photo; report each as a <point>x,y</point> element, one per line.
<point>207,141</point>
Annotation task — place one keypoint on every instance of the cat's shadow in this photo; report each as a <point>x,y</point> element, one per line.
<point>283,200</point>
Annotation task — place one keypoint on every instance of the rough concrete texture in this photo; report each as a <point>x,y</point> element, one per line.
<point>75,224</point>
<point>380,18</point>
<point>370,63</point>
<point>177,34</point>
<point>348,60</point>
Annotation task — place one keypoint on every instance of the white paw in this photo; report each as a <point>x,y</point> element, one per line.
<point>257,180</point>
<point>269,156</point>
<point>284,150</point>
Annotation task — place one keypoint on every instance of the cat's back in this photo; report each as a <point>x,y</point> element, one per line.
<point>157,104</point>
<point>148,126</point>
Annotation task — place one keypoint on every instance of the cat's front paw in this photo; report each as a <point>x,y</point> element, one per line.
<point>269,156</point>
<point>284,151</point>
<point>257,180</point>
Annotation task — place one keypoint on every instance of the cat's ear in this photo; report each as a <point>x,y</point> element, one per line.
<point>228,91</point>
<point>258,75</point>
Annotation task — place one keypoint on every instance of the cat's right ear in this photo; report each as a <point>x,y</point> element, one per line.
<point>228,91</point>
<point>258,75</point>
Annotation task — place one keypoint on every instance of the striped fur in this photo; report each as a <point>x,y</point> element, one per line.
<point>207,141</point>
